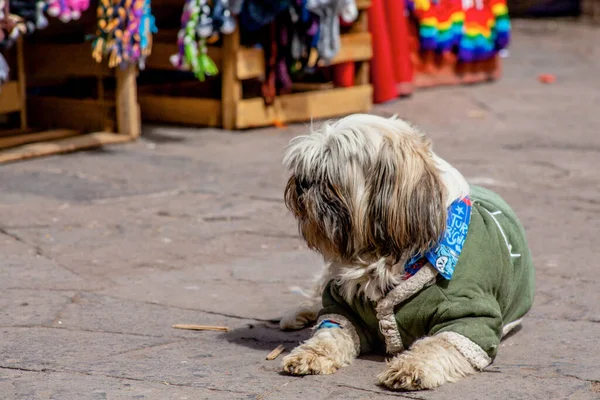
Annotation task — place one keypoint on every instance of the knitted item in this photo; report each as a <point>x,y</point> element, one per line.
<point>196,28</point>
<point>124,32</point>
<point>4,70</point>
<point>256,14</point>
<point>304,38</point>
<point>11,26</point>
<point>476,29</point>
<point>502,26</point>
<point>67,10</point>
<point>28,11</point>
<point>329,12</point>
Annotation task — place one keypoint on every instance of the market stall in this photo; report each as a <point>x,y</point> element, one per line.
<point>257,63</point>
<point>65,99</point>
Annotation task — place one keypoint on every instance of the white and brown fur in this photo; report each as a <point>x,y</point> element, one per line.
<point>368,192</point>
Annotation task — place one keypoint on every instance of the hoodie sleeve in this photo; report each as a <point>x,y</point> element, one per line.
<point>358,317</point>
<point>473,326</point>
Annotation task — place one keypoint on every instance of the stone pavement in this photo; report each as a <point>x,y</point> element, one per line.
<point>102,251</point>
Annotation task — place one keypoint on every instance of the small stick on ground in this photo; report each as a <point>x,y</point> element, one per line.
<point>201,327</point>
<point>276,352</point>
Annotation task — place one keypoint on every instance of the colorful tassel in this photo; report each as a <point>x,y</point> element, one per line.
<point>4,70</point>
<point>124,32</point>
<point>67,10</point>
<point>11,26</point>
<point>199,25</point>
<point>476,29</point>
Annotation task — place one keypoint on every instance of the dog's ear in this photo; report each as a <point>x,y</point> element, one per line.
<point>406,205</point>
<point>292,197</point>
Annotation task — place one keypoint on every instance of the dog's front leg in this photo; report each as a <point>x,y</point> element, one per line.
<point>430,362</point>
<point>307,311</point>
<point>324,353</point>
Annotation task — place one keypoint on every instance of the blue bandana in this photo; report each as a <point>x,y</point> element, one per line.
<point>445,255</point>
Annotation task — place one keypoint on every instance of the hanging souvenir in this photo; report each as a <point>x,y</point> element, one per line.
<point>124,32</point>
<point>502,23</point>
<point>477,43</point>
<point>67,10</point>
<point>4,70</point>
<point>476,29</point>
<point>201,24</point>
<point>28,11</point>
<point>11,25</point>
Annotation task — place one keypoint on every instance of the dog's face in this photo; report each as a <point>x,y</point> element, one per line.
<point>365,188</point>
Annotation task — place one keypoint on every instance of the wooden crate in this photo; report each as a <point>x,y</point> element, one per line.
<point>59,124</point>
<point>12,92</point>
<point>590,9</point>
<point>238,64</point>
<point>56,123</point>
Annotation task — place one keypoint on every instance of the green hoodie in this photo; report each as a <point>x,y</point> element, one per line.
<point>492,287</point>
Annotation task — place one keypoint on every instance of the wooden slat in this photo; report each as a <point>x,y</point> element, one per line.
<point>231,86</point>
<point>180,110</point>
<point>80,142</point>
<point>25,138</point>
<point>250,63</point>
<point>304,106</point>
<point>45,61</point>
<point>88,115</point>
<point>10,97</point>
<point>14,132</point>
<point>127,108</point>
<point>22,84</point>
<point>363,4</point>
<point>355,47</point>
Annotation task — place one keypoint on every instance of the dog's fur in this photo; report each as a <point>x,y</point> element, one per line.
<point>368,193</point>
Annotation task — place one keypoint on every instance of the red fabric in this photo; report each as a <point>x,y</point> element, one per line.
<point>343,74</point>
<point>397,25</point>
<point>382,65</point>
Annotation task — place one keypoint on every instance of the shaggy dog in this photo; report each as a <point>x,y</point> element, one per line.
<point>418,263</point>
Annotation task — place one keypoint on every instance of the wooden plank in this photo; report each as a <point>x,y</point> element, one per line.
<point>362,74</point>
<point>87,115</point>
<point>10,97</point>
<point>231,86</point>
<point>304,106</point>
<point>363,4</point>
<point>128,110</point>
<point>180,110</point>
<point>162,51</point>
<point>250,63</point>
<point>355,47</point>
<point>22,85</point>
<point>25,138</point>
<point>66,145</point>
<point>45,61</point>
<point>310,86</point>
<point>362,22</point>
<point>14,132</point>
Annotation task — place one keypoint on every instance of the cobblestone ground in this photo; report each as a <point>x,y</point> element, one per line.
<point>103,251</point>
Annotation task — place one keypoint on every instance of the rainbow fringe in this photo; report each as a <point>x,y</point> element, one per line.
<point>475,34</point>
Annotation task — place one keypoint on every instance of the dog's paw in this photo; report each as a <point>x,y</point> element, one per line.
<point>301,317</point>
<point>403,374</point>
<point>306,362</point>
